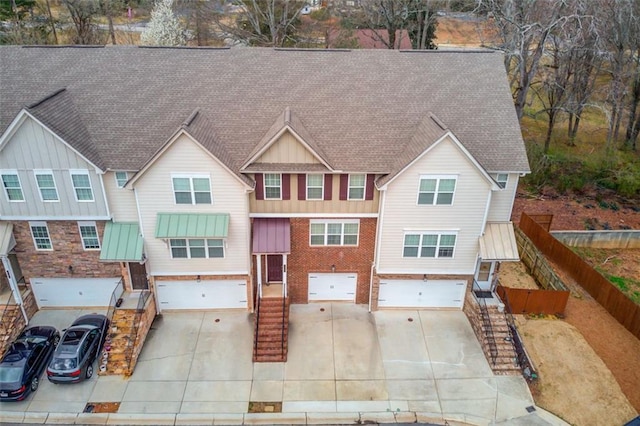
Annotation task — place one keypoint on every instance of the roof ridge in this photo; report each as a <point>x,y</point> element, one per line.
<point>46,98</point>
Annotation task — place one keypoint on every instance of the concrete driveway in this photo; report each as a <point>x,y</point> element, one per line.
<point>344,365</point>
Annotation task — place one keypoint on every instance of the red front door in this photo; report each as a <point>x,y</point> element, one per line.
<point>274,268</point>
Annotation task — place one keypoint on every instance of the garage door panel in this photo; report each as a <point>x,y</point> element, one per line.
<point>332,286</point>
<point>210,294</point>
<point>74,292</point>
<point>421,294</point>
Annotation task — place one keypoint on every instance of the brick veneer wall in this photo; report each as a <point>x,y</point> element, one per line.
<point>305,259</point>
<point>12,322</point>
<point>67,251</point>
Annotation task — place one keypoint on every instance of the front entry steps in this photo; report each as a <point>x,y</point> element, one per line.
<point>271,334</point>
<point>505,359</point>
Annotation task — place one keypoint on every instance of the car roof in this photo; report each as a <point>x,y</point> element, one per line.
<point>95,320</point>
<point>38,330</point>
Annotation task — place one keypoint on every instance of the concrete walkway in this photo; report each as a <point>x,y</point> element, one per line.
<point>345,365</point>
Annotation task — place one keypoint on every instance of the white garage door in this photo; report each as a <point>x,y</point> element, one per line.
<point>421,294</point>
<point>74,292</point>
<point>210,294</point>
<point>332,287</point>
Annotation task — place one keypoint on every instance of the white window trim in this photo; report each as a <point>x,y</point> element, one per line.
<point>429,232</point>
<point>206,248</point>
<point>437,178</point>
<point>75,193</point>
<point>6,193</point>
<point>364,187</point>
<point>499,182</point>
<point>87,224</point>
<point>37,173</point>
<point>316,187</point>
<point>327,222</point>
<point>192,190</point>
<point>35,244</point>
<point>264,186</point>
<point>115,176</point>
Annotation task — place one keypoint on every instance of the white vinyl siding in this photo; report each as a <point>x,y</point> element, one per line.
<point>82,185</point>
<point>429,244</point>
<point>315,187</point>
<point>89,235</point>
<point>12,186</point>
<point>40,234</point>
<point>287,150</point>
<point>34,148</point>
<point>334,233</point>
<point>154,194</point>
<point>122,201</point>
<point>272,186</point>
<point>196,248</point>
<point>46,185</point>
<point>356,187</point>
<point>402,215</point>
<point>502,201</point>
<point>195,189</point>
<point>436,190</point>
<point>121,179</point>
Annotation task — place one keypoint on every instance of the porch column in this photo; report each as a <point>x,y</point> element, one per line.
<point>259,274</point>
<point>14,286</point>
<point>284,275</point>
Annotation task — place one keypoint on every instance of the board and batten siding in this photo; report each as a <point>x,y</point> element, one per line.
<point>155,195</point>
<point>502,200</point>
<point>122,202</point>
<point>287,149</point>
<point>402,213</point>
<point>33,147</point>
<point>333,206</point>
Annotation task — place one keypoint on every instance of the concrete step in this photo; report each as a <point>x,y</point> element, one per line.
<point>270,358</point>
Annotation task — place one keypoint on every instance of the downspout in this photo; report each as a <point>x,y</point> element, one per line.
<point>104,194</point>
<point>376,249</point>
<point>486,213</point>
<point>14,286</point>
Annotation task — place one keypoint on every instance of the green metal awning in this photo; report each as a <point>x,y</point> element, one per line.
<point>122,242</point>
<point>192,225</point>
<point>7,242</point>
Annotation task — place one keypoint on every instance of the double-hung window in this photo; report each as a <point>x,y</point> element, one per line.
<point>12,187</point>
<point>315,187</point>
<point>196,248</point>
<point>334,233</point>
<point>195,189</point>
<point>272,186</point>
<point>81,185</point>
<point>502,179</point>
<point>436,190</point>
<point>46,185</point>
<point>89,235</point>
<point>40,234</point>
<point>356,186</point>
<point>435,245</point>
<point>121,179</point>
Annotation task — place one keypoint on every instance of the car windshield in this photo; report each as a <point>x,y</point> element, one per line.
<point>63,364</point>
<point>33,340</point>
<point>73,337</point>
<point>10,374</point>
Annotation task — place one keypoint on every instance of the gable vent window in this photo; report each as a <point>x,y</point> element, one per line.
<point>192,189</point>
<point>502,179</point>
<point>12,187</point>
<point>46,185</point>
<point>81,185</point>
<point>436,190</point>
<point>121,179</point>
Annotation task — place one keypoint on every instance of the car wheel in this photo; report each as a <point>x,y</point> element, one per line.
<point>34,384</point>
<point>89,371</point>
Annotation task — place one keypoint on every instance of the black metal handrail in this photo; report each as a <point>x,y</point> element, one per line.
<point>257,327</point>
<point>486,321</point>
<point>522,357</point>
<point>284,303</point>
<point>115,295</point>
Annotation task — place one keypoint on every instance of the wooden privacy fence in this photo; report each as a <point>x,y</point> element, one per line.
<point>538,266</point>
<point>623,309</point>
<point>524,301</point>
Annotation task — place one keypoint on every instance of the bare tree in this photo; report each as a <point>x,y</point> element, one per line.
<point>83,15</point>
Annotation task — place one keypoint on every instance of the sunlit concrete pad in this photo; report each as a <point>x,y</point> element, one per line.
<point>165,407</point>
<point>70,392</point>
<point>466,389</point>
<point>361,390</point>
<point>408,390</point>
<point>480,408</point>
<point>92,418</point>
<point>268,371</point>
<point>309,390</point>
<point>61,318</point>
<point>398,406</point>
<point>217,391</point>
<point>154,391</point>
<point>356,349</point>
<point>425,406</point>
<point>11,417</point>
<point>109,389</point>
<point>194,419</point>
<point>169,368</point>
<point>214,407</point>
<point>57,406</point>
<point>35,417</point>
<point>377,417</point>
<point>19,406</point>
<point>310,343</point>
<point>309,406</point>
<point>513,397</point>
<point>332,418</point>
<point>266,390</point>
<point>172,335</point>
<point>275,418</point>
<point>228,419</point>
<point>363,406</point>
<point>62,418</point>
<point>141,419</point>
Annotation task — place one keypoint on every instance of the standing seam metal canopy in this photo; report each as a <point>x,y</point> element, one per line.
<point>122,242</point>
<point>192,225</point>
<point>499,242</point>
<point>271,236</point>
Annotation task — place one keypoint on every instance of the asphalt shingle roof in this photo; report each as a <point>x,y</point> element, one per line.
<point>361,108</point>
